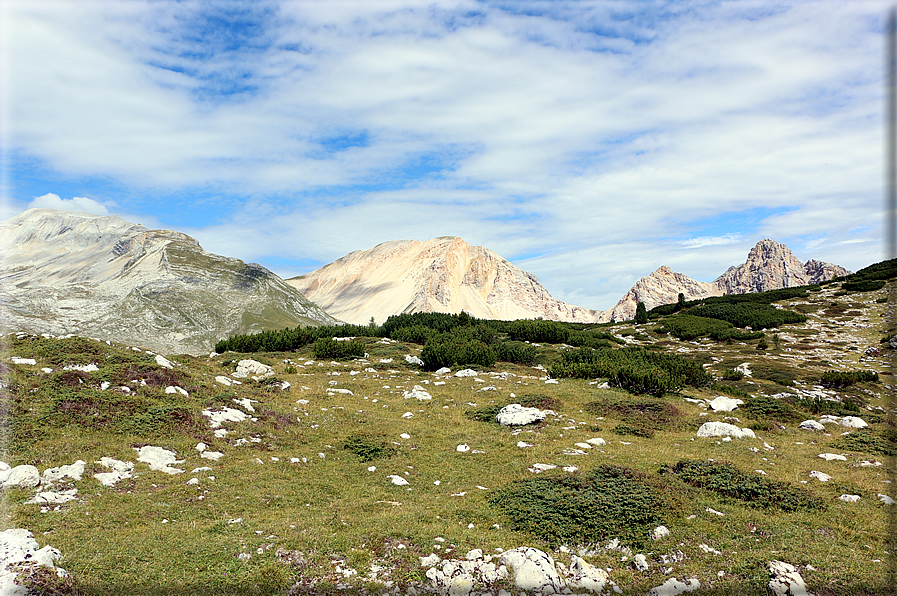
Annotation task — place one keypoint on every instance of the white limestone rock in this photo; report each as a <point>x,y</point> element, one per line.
<point>811,425</point>
<point>539,468</point>
<point>886,499</point>
<point>53,498</point>
<point>443,371</point>
<point>585,576</point>
<point>397,480</point>
<point>821,476</point>
<point>218,417</point>
<point>252,368</point>
<point>413,360</point>
<point>517,415</point>
<point>120,470</point>
<point>785,580</point>
<point>849,498</point>
<point>418,393</point>
<point>19,554</point>
<point>659,532</point>
<point>724,404</point>
<point>853,422</point>
<point>467,372</point>
<point>73,471</point>
<point>25,476</point>
<point>673,587</point>
<point>164,362</point>
<point>159,459</point>
<point>534,571</point>
<point>724,429</point>
<point>831,457</point>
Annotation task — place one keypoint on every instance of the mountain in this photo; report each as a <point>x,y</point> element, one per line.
<point>448,275</point>
<point>440,275</point>
<point>769,266</point>
<point>74,273</point>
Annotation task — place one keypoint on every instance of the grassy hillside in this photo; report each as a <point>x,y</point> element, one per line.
<point>302,501</point>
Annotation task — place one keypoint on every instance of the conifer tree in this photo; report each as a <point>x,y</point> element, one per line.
<point>641,313</point>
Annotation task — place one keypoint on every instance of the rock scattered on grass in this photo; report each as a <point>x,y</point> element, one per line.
<point>159,459</point>
<point>120,471</point>
<point>20,555</point>
<point>724,429</point>
<point>785,580</point>
<point>518,415</point>
<point>673,587</point>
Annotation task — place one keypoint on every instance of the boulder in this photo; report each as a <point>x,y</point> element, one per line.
<point>659,532</point>
<point>673,587</point>
<point>517,415</point>
<point>724,404</point>
<point>252,368</point>
<point>418,393</point>
<point>120,470</point>
<point>159,459</point>
<point>821,476</point>
<point>25,476</point>
<point>467,372</point>
<point>413,360</point>
<point>534,571</point>
<point>19,554</point>
<point>73,471</point>
<point>832,457</point>
<point>853,422</point>
<point>585,576</point>
<point>785,580</point>
<point>723,429</point>
<point>811,425</point>
<point>443,371</point>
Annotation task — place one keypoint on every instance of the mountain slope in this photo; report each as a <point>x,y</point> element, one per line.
<point>66,272</point>
<point>440,275</point>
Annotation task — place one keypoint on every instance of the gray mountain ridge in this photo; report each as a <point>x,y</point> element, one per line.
<point>101,276</point>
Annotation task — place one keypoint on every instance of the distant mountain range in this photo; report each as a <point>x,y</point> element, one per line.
<point>74,273</point>
<point>448,275</point>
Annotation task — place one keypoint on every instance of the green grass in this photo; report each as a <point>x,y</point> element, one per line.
<point>333,508</point>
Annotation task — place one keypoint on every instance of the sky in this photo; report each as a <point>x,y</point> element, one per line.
<point>587,142</point>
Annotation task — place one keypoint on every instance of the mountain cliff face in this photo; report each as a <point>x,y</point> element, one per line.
<point>440,275</point>
<point>769,266</point>
<point>74,273</point>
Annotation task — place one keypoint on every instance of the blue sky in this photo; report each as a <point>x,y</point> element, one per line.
<point>589,142</point>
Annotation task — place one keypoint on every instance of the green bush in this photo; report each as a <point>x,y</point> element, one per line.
<point>747,314</point>
<point>868,441</point>
<point>729,390</point>
<point>688,327</point>
<point>638,431</point>
<point>863,286</point>
<point>635,369</point>
<point>755,490</point>
<point>641,313</point>
<point>452,350</point>
<point>731,374</point>
<point>517,352</point>
<point>838,379</point>
<point>876,271</point>
<point>646,413</point>
<point>327,347</point>
<point>538,331</point>
<point>416,334</point>
<point>609,502</point>
<point>817,405</point>
<point>368,447</point>
<point>769,408</point>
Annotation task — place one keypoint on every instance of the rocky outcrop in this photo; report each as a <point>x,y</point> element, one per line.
<point>440,275</point>
<point>74,273</point>
<point>663,286</point>
<point>771,266</point>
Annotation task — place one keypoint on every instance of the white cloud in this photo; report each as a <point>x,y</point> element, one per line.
<point>710,241</point>
<point>80,204</point>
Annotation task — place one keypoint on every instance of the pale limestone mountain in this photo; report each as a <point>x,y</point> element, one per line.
<point>769,266</point>
<point>663,286</point>
<point>73,273</point>
<point>440,275</point>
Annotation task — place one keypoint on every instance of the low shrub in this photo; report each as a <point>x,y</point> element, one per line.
<point>868,441</point>
<point>729,390</point>
<point>516,352</point>
<point>327,347</point>
<point>731,374</point>
<point>451,350</point>
<point>368,447</point>
<point>415,334</point>
<point>635,369</point>
<point>817,405</point>
<point>645,413</point>
<point>837,379</point>
<point>748,314</point>
<point>688,327</point>
<point>755,490</point>
<point>608,502</point>
<point>637,431</point>
<point>769,408</point>
<point>539,331</point>
<point>863,286</point>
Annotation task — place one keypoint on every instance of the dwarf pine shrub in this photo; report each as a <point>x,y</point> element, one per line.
<point>609,502</point>
<point>368,447</point>
<point>868,441</point>
<point>327,347</point>
<point>452,350</point>
<point>838,379</point>
<point>755,490</point>
<point>514,351</point>
<point>539,331</point>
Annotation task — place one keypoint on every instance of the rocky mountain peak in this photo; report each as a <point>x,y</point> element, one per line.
<point>444,274</point>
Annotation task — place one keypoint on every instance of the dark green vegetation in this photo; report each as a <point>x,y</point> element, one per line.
<point>325,347</point>
<point>644,413</point>
<point>609,502</point>
<point>368,447</point>
<point>839,378</point>
<point>755,490</point>
<point>866,440</point>
<point>635,369</point>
